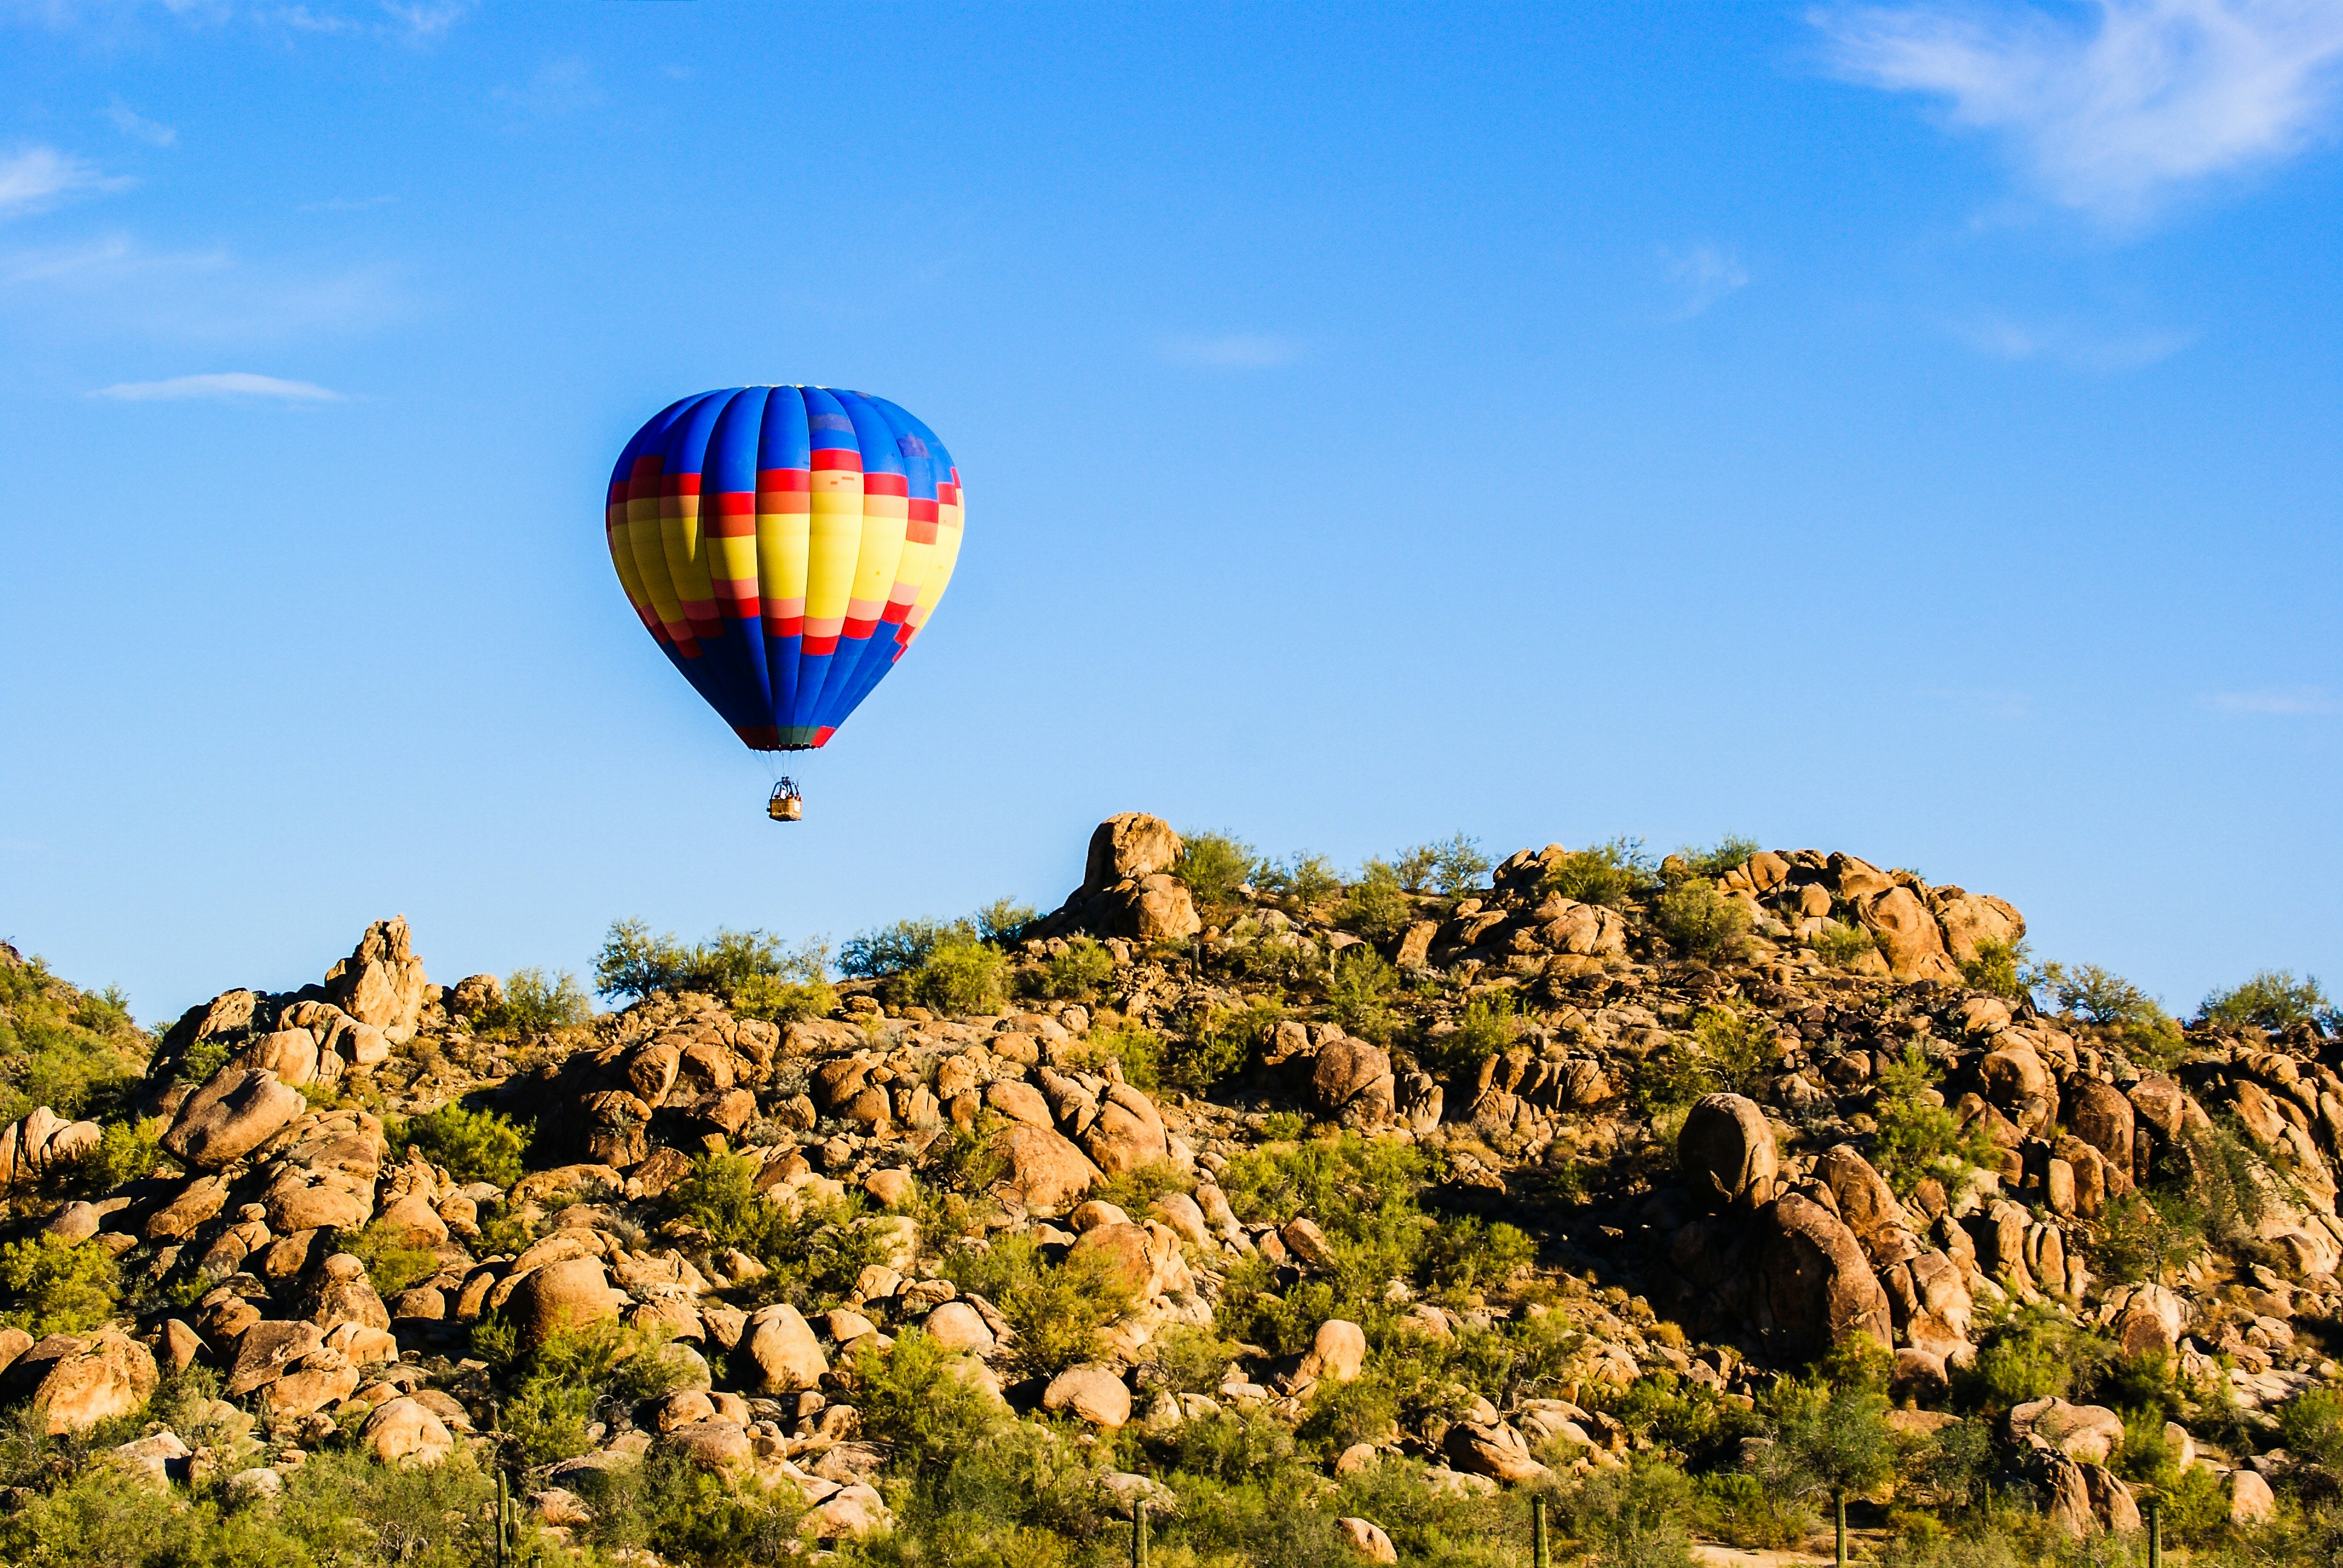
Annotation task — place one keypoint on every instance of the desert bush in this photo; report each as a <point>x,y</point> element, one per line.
<point>668,1510</point>
<point>1633,1517</point>
<point>1056,1310</point>
<point>126,1150</point>
<point>1830,1439</point>
<point>2273,999</point>
<point>962,975</point>
<point>894,947</point>
<point>391,1262</point>
<point>1999,967</point>
<point>474,1145</point>
<point>536,1003</point>
<point>1485,1026</point>
<point>1919,1136</point>
<point>2031,1352</point>
<point>1306,880</point>
<point>1726,854</point>
<point>578,1376</point>
<point>1080,972</point>
<point>1376,906</point>
<point>1700,922</point>
<point>633,962</point>
<point>1738,1048</point>
<point>1140,1053</point>
<point>1357,996</point>
<point>813,1251</point>
<point>1454,867</point>
<point>1221,1044</point>
<point>2310,1427</point>
<point>1213,866</point>
<point>2150,1236</point>
<point>1002,922</point>
<point>52,1286</point>
<point>916,1403</point>
<point>76,1053</point>
<point>1608,873</point>
<point>1842,946</point>
<point>1739,1508</point>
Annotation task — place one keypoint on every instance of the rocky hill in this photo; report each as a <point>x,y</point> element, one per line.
<point>1318,1220</point>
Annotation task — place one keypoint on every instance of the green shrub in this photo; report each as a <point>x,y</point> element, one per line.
<point>1486,1027</point>
<point>668,1510</point>
<point>126,1151</point>
<point>1138,1052</point>
<point>1726,854</point>
<point>916,1403</point>
<point>1376,906</point>
<point>2031,1354</point>
<point>474,1145</point>
<point>1999,967</point>
<point>1003,922</point>
<point>778,1000</point>
<point>1701,923</point>
<point>1356,996</point>
<point>537,1004</point>
<point>1609,873</point>
<point>2310,1427</point>
<point>1080,972</point>
<point>390,1261</point>
<point>1221,1044</point>
<point>54,1286</point>
<point>1738,1048</point>
<point>1056,1311</point>
<point>812,1251</point>
<point>1919,1138</point>
<point>1213,866</point>
<point>1842,946</point>
<point>634,964</point>
<point>2150,1236</point>
<point>76,1053</point>
<point>1830,1440</point>
<point>1739,1508</point>
<point>962,975</point>
<point>1454,866</point>
<point>1307,879</point>
<point>896,948</point>
<point>1634,1517</point>
<point>2273,999</point>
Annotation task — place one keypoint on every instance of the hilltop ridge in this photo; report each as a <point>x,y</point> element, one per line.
<point>1325,1217</point>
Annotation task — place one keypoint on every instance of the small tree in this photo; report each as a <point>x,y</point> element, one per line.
<point>1214,865</point>
<point>1830,1440</point>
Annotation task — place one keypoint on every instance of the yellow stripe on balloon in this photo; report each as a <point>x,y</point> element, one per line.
<point>650,561</point>
<point>834,545</point>
<point>884,520</point>
<point>784,541</point>
<point>687,555</point>
<point>940,568</point>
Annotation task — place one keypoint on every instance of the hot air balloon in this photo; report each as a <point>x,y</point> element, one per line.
<point>783,545</point>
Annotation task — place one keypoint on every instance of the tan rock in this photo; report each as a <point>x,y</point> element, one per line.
<point>1816,1289</point>
<point>1120,1251</point>
<point>1128,1133</point>
<point>1092,1392</point>
<point>1309,1243</point>
<point>110,1375</point>
<point>1047,1172</point>
<point>382,981</point>
<point>958,1327</point>
<point>1908,935</point>
<point>1129,846</point>
<point>1867,1205</point>
<point>1163,912</point>
<point>782,1346</point>
<point>2085,1434</point>
<point>2099,1114</point>
<point>1494,1449</point>
<point>1366,1538</point>
<point>405,1433</point>
<point>711,1444</point>
<point>230,1116</point>
<point>2251,1501</point>
<point>199,1199</point>
<point>1968,919</point>
<point>1337,1352</point>
<point>1727,1150</point>
<point>561,1296</point>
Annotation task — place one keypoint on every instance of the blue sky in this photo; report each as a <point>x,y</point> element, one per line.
<point>1904,430</point>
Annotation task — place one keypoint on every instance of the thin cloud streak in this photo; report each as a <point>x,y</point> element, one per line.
<point>2158,96</point>
<point>115,285</point>
<point>36,178</point>
<point>2282,701</point>
<point>218,385</point>
<point>1703,274</point>
<point>2075,347</point>
<point>1233,351</point>
<point>131,123</point>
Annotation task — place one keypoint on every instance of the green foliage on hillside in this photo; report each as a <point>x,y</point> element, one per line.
<point>474,1145</point>
<point>49,1286</point>
<point>74,1052</point>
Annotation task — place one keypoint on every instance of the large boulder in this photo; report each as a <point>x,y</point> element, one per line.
<point>1092,1392</point>
<point>1815,1287</point>
<point>381,982</point>
<point>782,1345</point>
<point>1127,1133</point>
<point>1047,1172</point>
<point>566,1294</point>
<point>1867,1205</point>
<point>1127,847</point>
<point>1126,889</point>
<point>1337,1352</point>
<point>343,1292</point>
<point>2101,1116</point>
<point>42,1141</point>
<point>2085,1434</point>
<point>1968,919</point>
<point>240,1109</point>
<point>1352,1079</point>
<point>405,1433</point>
<point>2151,1320</point>
<point>1494,1450</point>
<point>1726,1151</point>
<point>1908,935</point>
<point>111,1375</point>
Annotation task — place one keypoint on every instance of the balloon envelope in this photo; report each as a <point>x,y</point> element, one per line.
<point>784,545</point>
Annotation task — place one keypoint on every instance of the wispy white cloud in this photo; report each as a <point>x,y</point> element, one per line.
<point>2151,97</point>
<point>559,88</point>
<point>113,286</point>
<point>1702,275</point>
<point>226,384</point>
<point>131,123</point>
<point>2282,701</point>
<point>2071,344</point>
<point>1233,351</point>
<point>36,178</point>
<point>411,21</point>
